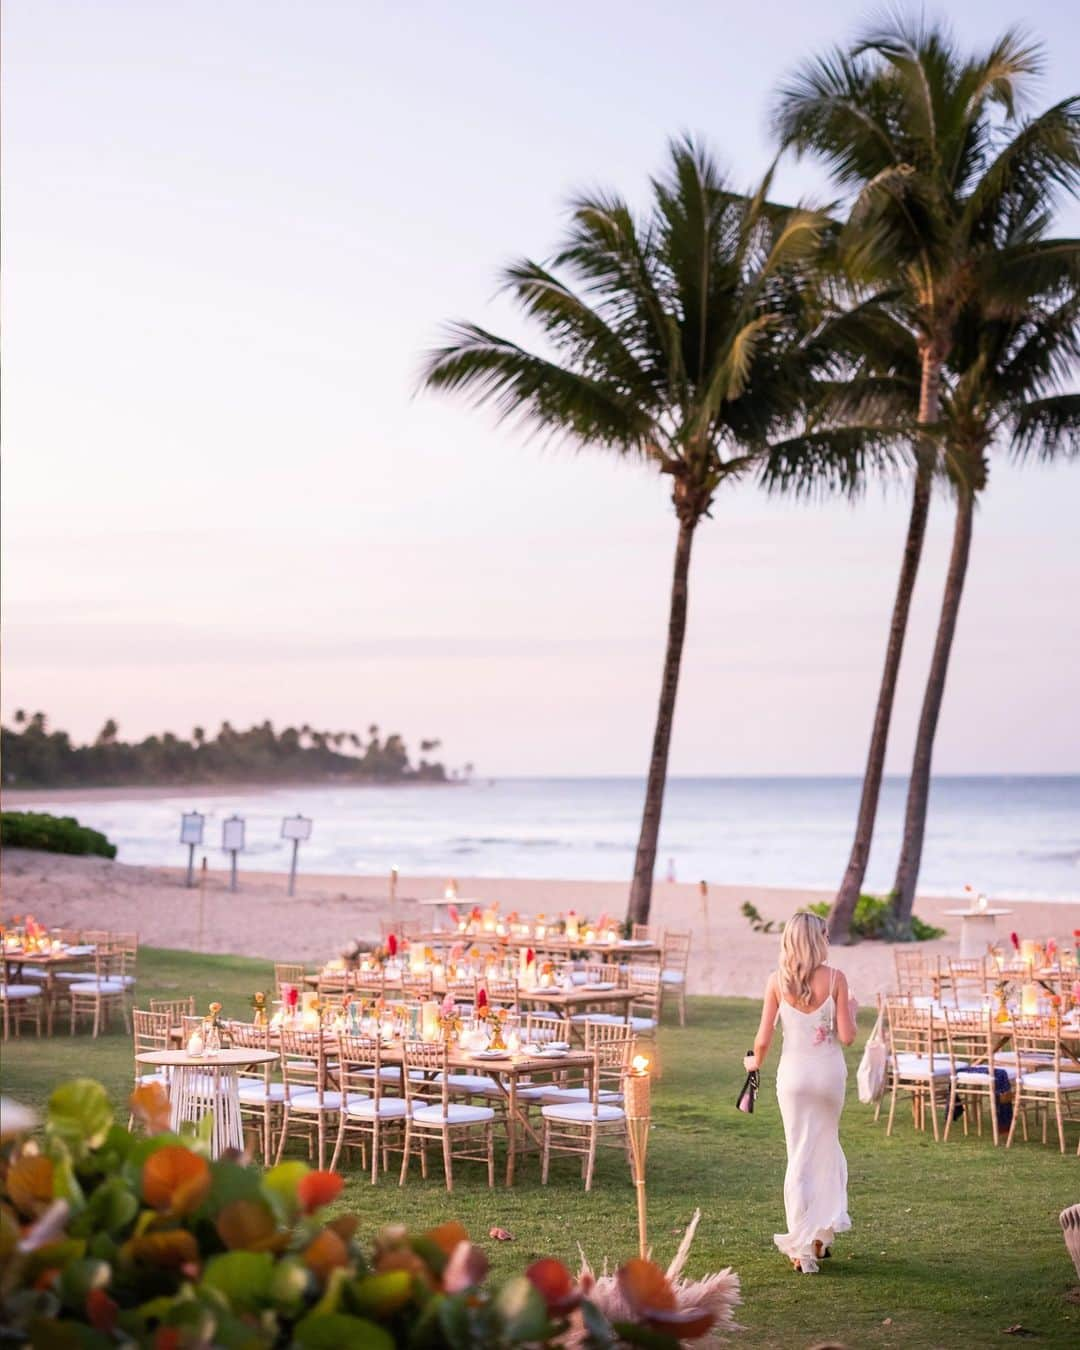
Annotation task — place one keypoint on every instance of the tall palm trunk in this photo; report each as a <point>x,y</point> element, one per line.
<point>918,795</point>
<point>850,887</point>
<point>645,861</point>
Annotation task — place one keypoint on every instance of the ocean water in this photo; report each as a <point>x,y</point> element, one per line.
<point>1012,837</point>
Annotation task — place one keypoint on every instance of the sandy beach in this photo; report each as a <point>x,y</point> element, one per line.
<point>260,920</point>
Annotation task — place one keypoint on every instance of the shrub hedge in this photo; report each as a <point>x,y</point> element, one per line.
<point>51,834</point>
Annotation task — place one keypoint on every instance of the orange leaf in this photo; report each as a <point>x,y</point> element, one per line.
<point>167,1338</point>
<point>325,1254</point>
<point>175,1180</point>
<point>555,1285</point>
<point>447,1236</point>
<point>317,1189</point>
<point>150,1106</point>
<point>500,1235</point>
<point>101,1311</point>
<point>247,1225</point>
<point>170,1250</point>
<point>345,1226</point>
<point>30,1184</point>
<point>404,1258</point>
<point>685,1324</point>
<point>645,1286</point>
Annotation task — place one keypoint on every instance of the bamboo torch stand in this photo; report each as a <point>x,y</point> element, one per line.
<point>638,1114</point>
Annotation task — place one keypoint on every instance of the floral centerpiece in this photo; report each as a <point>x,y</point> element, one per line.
<point>449,1021</point>
<point>258,1009</point>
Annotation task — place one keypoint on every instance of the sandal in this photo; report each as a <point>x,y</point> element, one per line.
<point>821,1251</point>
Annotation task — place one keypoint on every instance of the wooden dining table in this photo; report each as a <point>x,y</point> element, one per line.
<point>51,963</point>
<point>509,1071</point>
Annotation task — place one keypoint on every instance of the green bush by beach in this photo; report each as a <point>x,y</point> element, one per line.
<point>52,834</point>
<point>875,917</point>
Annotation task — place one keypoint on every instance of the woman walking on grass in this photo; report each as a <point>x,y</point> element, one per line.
<point>818,1015</point>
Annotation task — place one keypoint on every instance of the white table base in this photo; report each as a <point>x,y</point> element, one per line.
<point>976,934</point>
<point>198,1089</point>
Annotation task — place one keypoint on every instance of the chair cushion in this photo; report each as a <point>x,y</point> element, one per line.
<point>390,1108</point>
<point>456,1114</point>
<point>1044,1078</point>
<point>307,1099</point>
<point>32,973</point>
<point>19,991</point>
<point>388,1073</point>
<point>580,1094</point>
<point>253,1092</point>
<point>642,1023</point>
<point>582,1113</point>
<point>672,976</point>
<point>472,1082</point>
<point>104,987</point>
<point>916,1066</point>
<point>147,1078</point>
<point>972,1076</point>
<point>609,1019</point>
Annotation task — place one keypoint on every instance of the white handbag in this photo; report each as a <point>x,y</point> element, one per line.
<point>872,1067</point>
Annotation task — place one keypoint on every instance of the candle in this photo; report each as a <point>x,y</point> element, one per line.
<point>429,1021</point>
<point>1029,1000</point>
<point>572,928</point>
<point>1027,950</point>
<point>195,1045</point>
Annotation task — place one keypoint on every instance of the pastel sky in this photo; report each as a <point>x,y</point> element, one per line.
<point>230,230</point>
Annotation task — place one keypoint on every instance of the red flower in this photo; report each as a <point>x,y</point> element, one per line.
<point>317,1189</point>
<point>292,995</point>
<point>391,944</point>
<point>1015,941</point>
<point>481,998</point>
<point>452,910</point>
<point>101,1311</point>
<point>530,956</point>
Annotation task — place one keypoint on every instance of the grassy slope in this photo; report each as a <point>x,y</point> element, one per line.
<point>953,1243</point>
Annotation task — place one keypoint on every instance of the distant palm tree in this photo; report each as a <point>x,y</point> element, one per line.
<point>915,130</point>
<point>1009,368</point>
<point>681,339</point>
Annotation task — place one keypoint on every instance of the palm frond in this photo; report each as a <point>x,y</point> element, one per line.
<point>1048,428</point>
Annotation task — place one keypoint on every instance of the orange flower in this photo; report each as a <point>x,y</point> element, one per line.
<point>317,1189</point>
<point>175,1180</point>
<point>555,1285</point>
<point>447,1236</point>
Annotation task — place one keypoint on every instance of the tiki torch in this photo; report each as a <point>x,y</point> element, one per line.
<point>638,1112</point>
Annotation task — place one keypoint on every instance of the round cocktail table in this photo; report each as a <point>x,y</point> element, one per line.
<point>202,1083</point>
<point>977,930</point>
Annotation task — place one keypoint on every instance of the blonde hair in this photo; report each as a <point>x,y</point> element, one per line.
<point>803,947</point>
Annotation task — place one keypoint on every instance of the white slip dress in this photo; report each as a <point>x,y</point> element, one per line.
<point>810,1084</point>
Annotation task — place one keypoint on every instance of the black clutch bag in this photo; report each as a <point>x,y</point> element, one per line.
<point>748,1094</point>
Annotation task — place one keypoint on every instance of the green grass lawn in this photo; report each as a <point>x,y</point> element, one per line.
<point>951,1244</point>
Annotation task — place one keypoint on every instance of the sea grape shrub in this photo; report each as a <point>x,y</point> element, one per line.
<point>109,1238</point>
<point>874,917</point>
<point>51,834</point>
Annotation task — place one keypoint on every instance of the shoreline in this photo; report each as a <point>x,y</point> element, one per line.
<point>14,798</point>
<point>260,920</point>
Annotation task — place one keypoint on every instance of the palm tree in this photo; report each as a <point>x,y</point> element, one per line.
<point>915,131</point>
<point>1009,367</point>
<point>678,341</point>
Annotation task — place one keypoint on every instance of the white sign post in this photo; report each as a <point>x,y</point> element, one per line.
<point>232,842</point>
<point>297,828</point>
<point>191,833</point>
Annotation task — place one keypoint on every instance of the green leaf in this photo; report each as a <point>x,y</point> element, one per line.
<point>230,1181</point>
<point>338,1331</point>
<point>49,1335</point>
<point>80,1115</point>
<point>381,1295</point>
<point>243,1277</point>
<point>112,1207</point>
<point>78,1278</point>
<point>290,1283</point>
<point>279,1186</point>
<point>597,1325</point>
<point>635,1334</point>
<point>522,1310</point>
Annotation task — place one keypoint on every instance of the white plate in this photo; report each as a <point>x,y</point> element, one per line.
<point>600,984</point>
<point>546,1052</point>
<point>490,1054</point>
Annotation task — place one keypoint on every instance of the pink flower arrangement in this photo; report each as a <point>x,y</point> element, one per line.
<point>448,1006</point>
<point>452,910</point>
